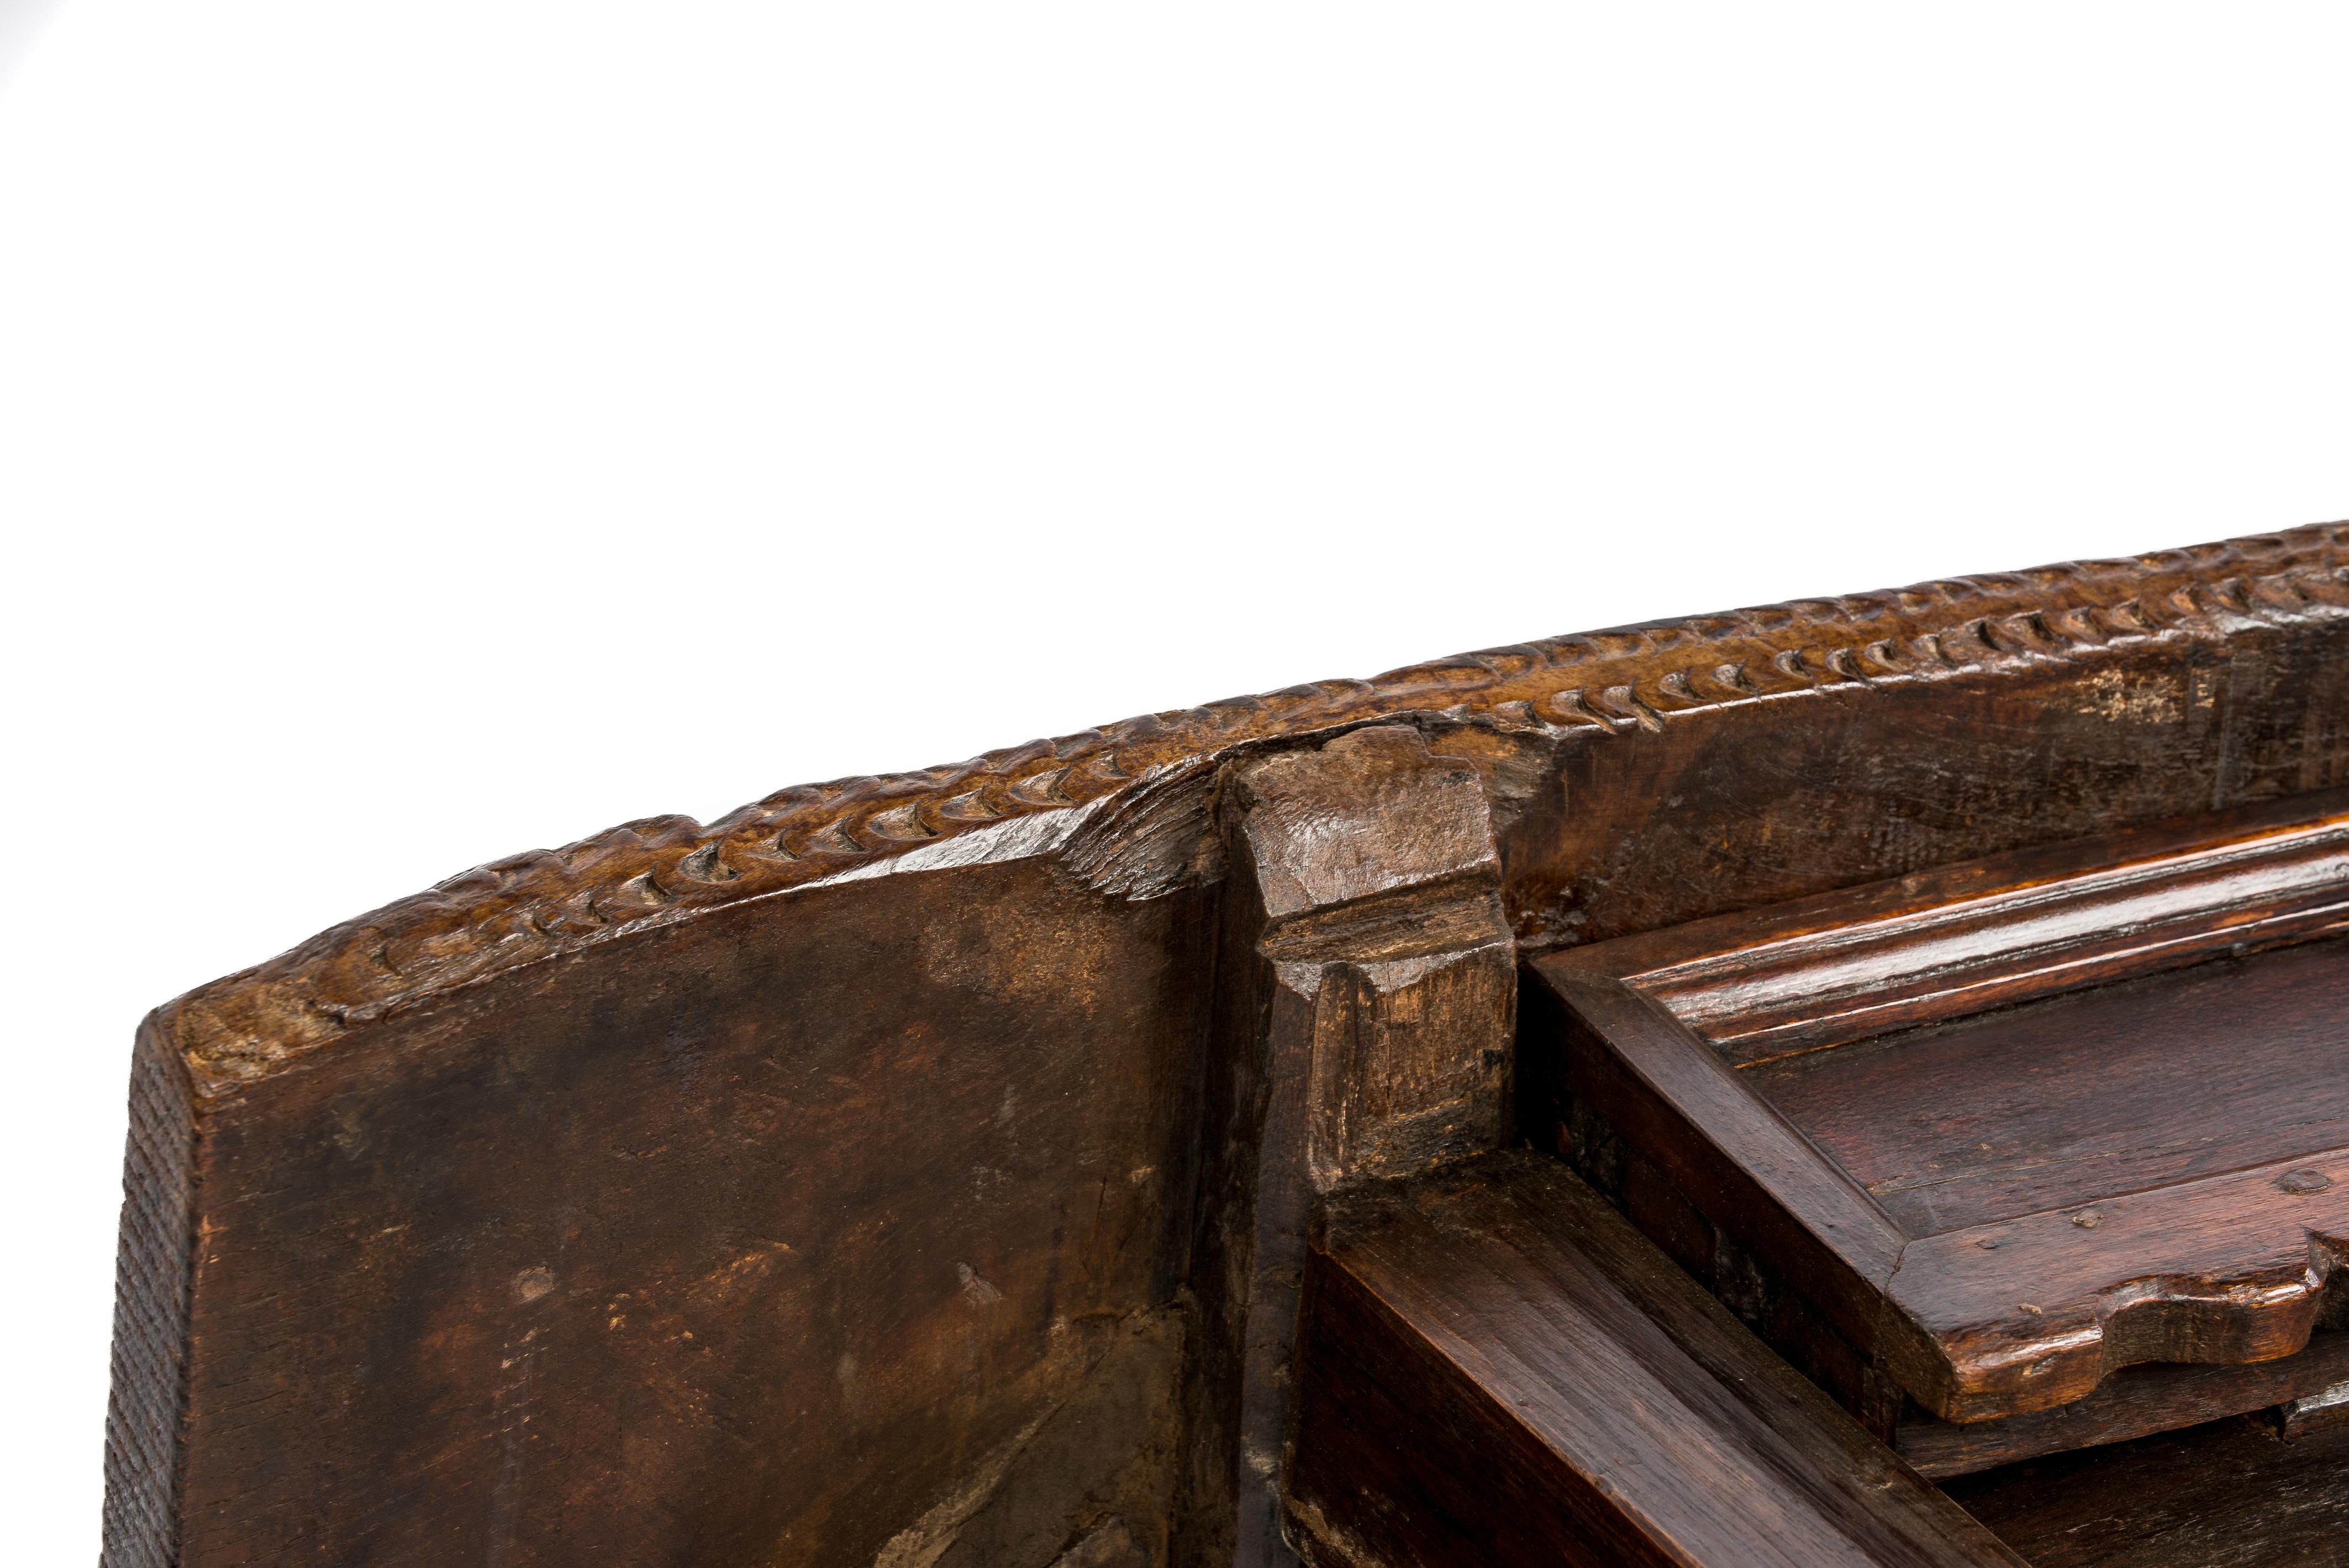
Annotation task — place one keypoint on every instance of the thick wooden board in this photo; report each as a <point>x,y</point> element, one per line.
<point>2057,1104</point>
<point>1498,1369</point>
<point>725,1253</point>
<point>2150,1165</point>
<point>1635,778</point>
<point>2132,1403</point>
<point>2135,1402</point>
<point>1365,1011</point>
<point>2225,1495</point>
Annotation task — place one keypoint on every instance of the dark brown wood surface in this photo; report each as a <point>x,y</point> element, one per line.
<point>2132,1403</point>
<point>1031,935</point>
<point>727,1250</point>
<point>1498,1370</point>
<point>2057,1104</point>
<point>2228,1269</point>
<point>2314,1414</point>
<point>2153,1169</point>
<point>1366,1004</point>
<point>1642,777</point>
<point>2135,1402</point>
<point>1961,939</point>
<point>2225,1495</point>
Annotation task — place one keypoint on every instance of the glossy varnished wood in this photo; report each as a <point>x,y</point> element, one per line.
<point>991,1016</point>
<point>2137,1402</point>
<point>2077,1156</point>
<point>1963,940</point>
<point>1498,1370</point>
<point>2132,1403</point>
<point>2057,1104</point>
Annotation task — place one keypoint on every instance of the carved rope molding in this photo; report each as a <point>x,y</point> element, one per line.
<point>648,872</point>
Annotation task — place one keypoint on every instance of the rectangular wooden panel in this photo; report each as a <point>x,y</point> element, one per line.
<point>1496,1369</point>
<point>2056,1104</point>
<point>733,1246</point>
<point>2014,1124</point>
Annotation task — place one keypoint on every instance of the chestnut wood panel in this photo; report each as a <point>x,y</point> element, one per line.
<point>735,1250</point>
<point>1497,1370</point>
<point>2151,1165</point>
<point>2055,1104</point>
<point>2225,1495</point>
<point>2132,1403</point>
<point>1637,777</point>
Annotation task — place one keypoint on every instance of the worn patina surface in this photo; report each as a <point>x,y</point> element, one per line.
<point>823,1185</point>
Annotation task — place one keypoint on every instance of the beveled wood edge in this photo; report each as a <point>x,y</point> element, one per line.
<point>2010,927</point>
<point>1624,682</point>
<point>1750,1170</point>
<point>1696,1326</point>
<point>1734,1155</point>
<point>2322,1410</point>
<point>2115,1282</point>
<point>2137,1402</point>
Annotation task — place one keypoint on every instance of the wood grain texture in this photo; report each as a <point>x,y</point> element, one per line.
<point>2132,1403</point>
<point>2228,1269</point>
<point>2089,623</point>
<point>2056,1104</point>
<point>2136,1402</point>
<point>2226,1495</point>
<point>802,1235</point>
<point>2040,1195</point>
<point>1739,1160</point>
<point>1635,778</point>
<point>1366,1010</point>
<point>1380,885</point>
<point>1498,1370</point>
<point>1961,939</point>
<point>2314,1414</point>
<point>145,1440</point>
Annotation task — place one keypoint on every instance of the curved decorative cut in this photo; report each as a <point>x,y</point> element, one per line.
<point>1625,682</point>
<point>2013,1124</point>
<point>2229,1270</point>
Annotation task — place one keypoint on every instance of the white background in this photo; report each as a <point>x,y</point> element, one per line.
<point>430,431</point>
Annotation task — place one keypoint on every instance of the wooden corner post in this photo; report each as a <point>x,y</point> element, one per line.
<point>1366,1009</point>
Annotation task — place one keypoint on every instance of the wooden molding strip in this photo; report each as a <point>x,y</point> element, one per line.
<point>1673,1036</point>
<point>1047,794</point>
<point>1932,950</point>
<point>2138,1402</point>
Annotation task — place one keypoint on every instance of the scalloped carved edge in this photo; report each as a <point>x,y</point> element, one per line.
<point>2219,1306</point>
<point>1626,682</point>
